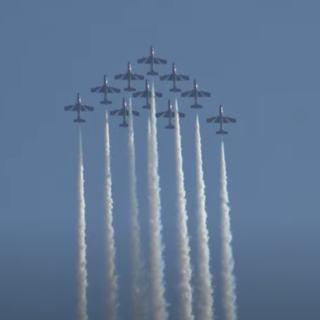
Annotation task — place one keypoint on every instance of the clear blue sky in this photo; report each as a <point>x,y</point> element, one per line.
<point>259,59</point>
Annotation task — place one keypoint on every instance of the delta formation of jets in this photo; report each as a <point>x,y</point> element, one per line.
<point>129,76</point>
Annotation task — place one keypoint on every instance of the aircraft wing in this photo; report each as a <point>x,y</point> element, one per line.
<point>159,60</point>
<point>85,107</point>
<point>135,76</point>
<point>214,119</point>
<point>136,113</point>
<point>97,89</point>
<point>141,94</point>
<point>164,114</point>
<point>228,120</point>
<point>189,93</point>
<point>113,89</point>
<point>157,94</point>
<point>117,112</point>
<point>122,76</point>
<point>170,77</point>
<point>72,107</point>
<point>202,93</point>
<point>167,77</point>
<point>147,60</point>
<point>182,77</point>
<point>144,94</point>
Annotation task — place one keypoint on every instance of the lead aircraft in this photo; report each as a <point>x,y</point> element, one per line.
<point>78,107</point>
<point>124,112</point>
<point>129,76</point>
<point>146,94</point>
<point>196,93</point>
<point>221,119</point>
<point>105,89</point>
<point>174,76</point>
<point>169,114</point>
<point>152,60</point>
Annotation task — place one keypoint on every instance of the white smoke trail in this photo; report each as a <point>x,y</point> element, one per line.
<point>149,132</point>
<point>138,287</point>
<point>229,284</point>
<point>158,304</point>
<point>111,275</point>
<point>205,302</point>
<point>82,261</point>
<point>183,239</point>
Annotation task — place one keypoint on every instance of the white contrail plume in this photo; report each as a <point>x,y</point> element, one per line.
<point>138,287</point>
<point>111,276</point>
<point>149,131</point>
<point>205,302</point>
<point>158,304</point>
<point>229,284</point>
<point>82,261</point>
<point>183,239</point>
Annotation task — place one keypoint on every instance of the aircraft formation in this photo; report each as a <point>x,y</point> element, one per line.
<point>129,76</point>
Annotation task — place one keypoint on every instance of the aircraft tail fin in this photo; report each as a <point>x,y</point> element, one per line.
<point>106,102</point>
<point>175,90</point>
<point>152,73</point>
<point>170,126</point>
<point>147,107</point>
<point>123,124</point>
<point>196,106</point>
<point>222,132</point>
<point>129,89</point>
<point>79,120</point>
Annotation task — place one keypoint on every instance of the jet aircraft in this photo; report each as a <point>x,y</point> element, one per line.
<point>129,76</point>
<point>105,89</point>
<point>124,112</point>
<point>146,94</point>
<point>221,119</point>
<point>169,114</point>
<point>152,60</point>
<point>78,107</point>
<point>174,76</point>
<point>196,93</point>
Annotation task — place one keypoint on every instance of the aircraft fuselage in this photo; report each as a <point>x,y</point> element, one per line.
<point>174,71</point>
<point>105,87</point>
<point>148,98</point>
<point>129,76</point>
<point>221,118</point>
<point>125,117</point>
<point>152,61</point>
<point>129,80</point>
<point>175,80</point>
<point>170,115</point>
<point>196,93</point>
<point>125,123</point>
